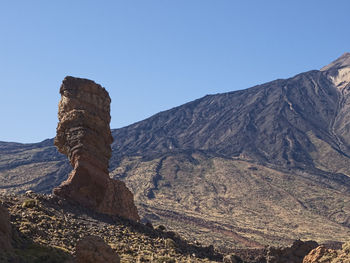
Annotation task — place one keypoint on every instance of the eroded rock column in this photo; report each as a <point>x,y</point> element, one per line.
<point>84,135</point>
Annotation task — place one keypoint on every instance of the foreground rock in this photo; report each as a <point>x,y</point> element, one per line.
<point>83,134</point>
<point>293,254</point>
<point>5,230</point>
<point>52,228</point>
<point>322,254</point>
<point>92,249</point>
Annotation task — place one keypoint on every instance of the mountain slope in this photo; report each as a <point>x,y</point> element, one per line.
<point>247,168</point>
<point>268,123</point>
<point>36,166</point>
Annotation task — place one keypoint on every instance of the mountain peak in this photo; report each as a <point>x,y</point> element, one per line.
<point>339,71</point>
<point>341,62</point>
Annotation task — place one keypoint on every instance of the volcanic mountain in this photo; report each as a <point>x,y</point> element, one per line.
<point>248,168</point>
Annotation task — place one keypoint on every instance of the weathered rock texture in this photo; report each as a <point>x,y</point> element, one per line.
<point>322,254</point>
<point>5,229</point>
<point>92,249</point>
<point>83,134</point>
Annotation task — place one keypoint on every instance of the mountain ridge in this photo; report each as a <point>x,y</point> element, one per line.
<point>189,109</point>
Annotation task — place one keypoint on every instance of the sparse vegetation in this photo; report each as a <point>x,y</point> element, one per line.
<point>35,253</point>
<point>29,203</point>
<point>249,208</point>
<point>49,233</point>
<point>346,247</point>
<point>165,259</point>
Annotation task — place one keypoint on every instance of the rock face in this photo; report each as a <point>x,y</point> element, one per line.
<point>322,254</point>
<point>5,229</point>
<point>93,249</point>
<point>293,254</point>
<point>83,134</point>
<point>339,71</point>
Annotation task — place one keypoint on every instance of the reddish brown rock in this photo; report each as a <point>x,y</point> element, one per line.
<point>322,254</point>
<point>93,249</point>
<point>84,135</point>
<point>5,230</point>
<point>318,253</point>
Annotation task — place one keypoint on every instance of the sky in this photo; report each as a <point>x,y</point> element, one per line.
<point>152,55</point>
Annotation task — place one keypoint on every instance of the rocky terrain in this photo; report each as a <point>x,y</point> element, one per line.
<point>261,166</point>
<point>48,229</point>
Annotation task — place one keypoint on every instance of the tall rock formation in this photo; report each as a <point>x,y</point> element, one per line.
<point>83,134</point>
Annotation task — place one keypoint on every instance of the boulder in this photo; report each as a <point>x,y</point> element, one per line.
<point>318,253</point>
<point>84,135</point>
<point>293,254</point>
<point>92,249</point>
<point>322,254</point>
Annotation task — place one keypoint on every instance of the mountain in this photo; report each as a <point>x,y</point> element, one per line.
<point>269,123</point>
<point>265,165</point>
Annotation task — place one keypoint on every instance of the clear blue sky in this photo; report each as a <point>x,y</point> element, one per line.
<point>152,55</point>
